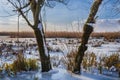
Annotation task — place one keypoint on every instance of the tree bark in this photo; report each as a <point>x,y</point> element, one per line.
<point>45,59</point>
<point>88,29</point>
<point>40,38</point>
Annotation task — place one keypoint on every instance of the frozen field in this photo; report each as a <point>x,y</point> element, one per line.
<point>59,48</point>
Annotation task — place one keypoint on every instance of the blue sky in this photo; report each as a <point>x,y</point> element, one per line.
<point>61,15</point>
<point>79,9</point>
<point>67,13</point>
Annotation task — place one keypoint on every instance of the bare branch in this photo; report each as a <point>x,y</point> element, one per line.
<point>11,2</point>
<point>19,8</point>
<point>20,11</point>
<point>34,5</point>
<point>25,6</point>
<point>51,3</point>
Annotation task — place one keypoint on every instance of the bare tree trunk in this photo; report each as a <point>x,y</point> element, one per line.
<point>45,59</point>
<point>87,31</point>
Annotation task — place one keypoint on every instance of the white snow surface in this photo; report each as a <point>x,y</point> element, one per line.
<point>60,73</point>
<point>40,26</point>
<point>105,49</point>
<point>57,74</point>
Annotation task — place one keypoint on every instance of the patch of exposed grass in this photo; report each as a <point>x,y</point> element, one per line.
<point>21,64</point>
<point>70,60</point>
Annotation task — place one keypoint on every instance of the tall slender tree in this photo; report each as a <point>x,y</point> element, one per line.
<point>88,29</point>
<point>22,7</point>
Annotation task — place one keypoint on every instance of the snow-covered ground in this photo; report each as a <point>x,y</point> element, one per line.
<point>58,74</point>
<point>58,50</point>
<point>105,49</point>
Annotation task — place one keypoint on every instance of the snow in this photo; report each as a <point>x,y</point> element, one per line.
<point>59,46</point>
<point>40,26</point>
<point>105,49</point>
<point>59,72</point>
<point>91,24</point>
<point>53,71</point>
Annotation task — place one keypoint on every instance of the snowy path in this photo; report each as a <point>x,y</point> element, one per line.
<point>58,74</point>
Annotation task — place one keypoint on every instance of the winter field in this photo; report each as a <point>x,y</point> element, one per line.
<point>58,48</point>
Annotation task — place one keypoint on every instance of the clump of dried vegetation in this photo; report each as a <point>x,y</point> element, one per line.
<point>21,64</point>
<point>70,60</point>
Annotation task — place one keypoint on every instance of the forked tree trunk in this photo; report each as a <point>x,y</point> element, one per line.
<point>45,59</point>
<point>35,7</point>
<point>39,33</point>
<point>88,28</point>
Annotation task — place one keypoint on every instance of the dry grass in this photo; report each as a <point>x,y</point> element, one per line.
<point>107,35</point>
<point>88,61</point>
<point>70,60</point>
<point>21,64</point>
<point>64,34</point>
<point>112,60</point>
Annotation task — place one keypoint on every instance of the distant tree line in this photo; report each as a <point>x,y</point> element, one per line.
<point>16,34</point>
<point>63,34</point>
